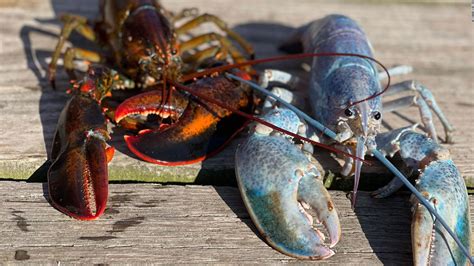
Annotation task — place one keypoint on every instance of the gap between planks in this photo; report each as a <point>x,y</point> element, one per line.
<point>184,224</point>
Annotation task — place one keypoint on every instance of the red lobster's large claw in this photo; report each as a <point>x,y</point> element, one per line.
<point>201,130</point>
<point>77,178</point>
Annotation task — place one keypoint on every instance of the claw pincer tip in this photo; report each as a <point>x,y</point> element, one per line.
<point>77,178</point>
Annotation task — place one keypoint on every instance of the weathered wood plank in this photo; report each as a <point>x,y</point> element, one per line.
<point>189,224</point>
<point>435,39</point>
<point>184,224</point>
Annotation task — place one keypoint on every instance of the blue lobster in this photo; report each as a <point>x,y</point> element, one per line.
<point>277,189</point>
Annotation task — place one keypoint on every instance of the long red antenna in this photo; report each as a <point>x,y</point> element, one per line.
<point>261,121</point>
<point>220,69</point>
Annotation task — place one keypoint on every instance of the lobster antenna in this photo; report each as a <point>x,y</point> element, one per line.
<point>328,132</point>
<point>376,153</point>
<point>220,69</point>
<point>261,121</point>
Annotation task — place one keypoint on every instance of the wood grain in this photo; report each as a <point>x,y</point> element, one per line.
<point>435,39</point>
<point>184,224</point>
<point>208,224</point>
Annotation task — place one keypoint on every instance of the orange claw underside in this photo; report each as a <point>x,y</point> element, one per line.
<point>184,142</point>
<point>199,129</point>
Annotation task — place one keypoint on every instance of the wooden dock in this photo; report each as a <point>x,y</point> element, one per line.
<point>185,224</point>
<point>208,224</point>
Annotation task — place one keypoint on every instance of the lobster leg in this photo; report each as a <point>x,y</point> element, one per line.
<point>393,186</point>
<point>442,184</point>
<point>196,59</point>
<point>225,45</point>
<point>395,71</point>
<point>78,53</point>
<point>71,22</point>
<point>185,13</point>
<point>424,100</point>
<point>387,144</point>
<point>77,178</point>
<point>425,113</point>
<point>222,25</point>
<point>281,77</point>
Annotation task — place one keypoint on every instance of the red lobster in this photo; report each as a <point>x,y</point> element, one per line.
<point>147,56</point>
<point>153,64</point>
<point>150,60</point>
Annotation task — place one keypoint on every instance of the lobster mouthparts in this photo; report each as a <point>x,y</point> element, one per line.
<point>78,178</point>
<point>196,130</point>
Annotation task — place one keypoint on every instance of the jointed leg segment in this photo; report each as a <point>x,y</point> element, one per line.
<point>78,53</point>
<point>425,101</point>
<point>226,46</point>
<point>79,24</point>
<point>221,25</point>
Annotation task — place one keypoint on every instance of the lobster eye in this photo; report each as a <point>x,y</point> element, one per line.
<point>348,112</point>
<point>377,115</point>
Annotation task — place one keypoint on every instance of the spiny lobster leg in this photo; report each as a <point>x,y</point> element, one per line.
<point>277,181</point>
<point>200,130</point>
<point>77,178</point>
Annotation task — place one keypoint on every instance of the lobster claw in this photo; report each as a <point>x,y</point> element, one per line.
<point>277,181</point>
<point>200,129</point>
<point>441,183</point>
<point>77,177</point>
<point>443,186</point>
<point>312,191</point>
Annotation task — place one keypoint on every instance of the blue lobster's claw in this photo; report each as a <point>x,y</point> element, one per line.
<point>275,179</point>
<point>312,191</point>
<point>77,178</point>
<point>422,235</point>
<point>200,130</point>
<point>443,186</point>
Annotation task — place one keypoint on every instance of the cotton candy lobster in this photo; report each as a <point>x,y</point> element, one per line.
<point>344,96</point>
